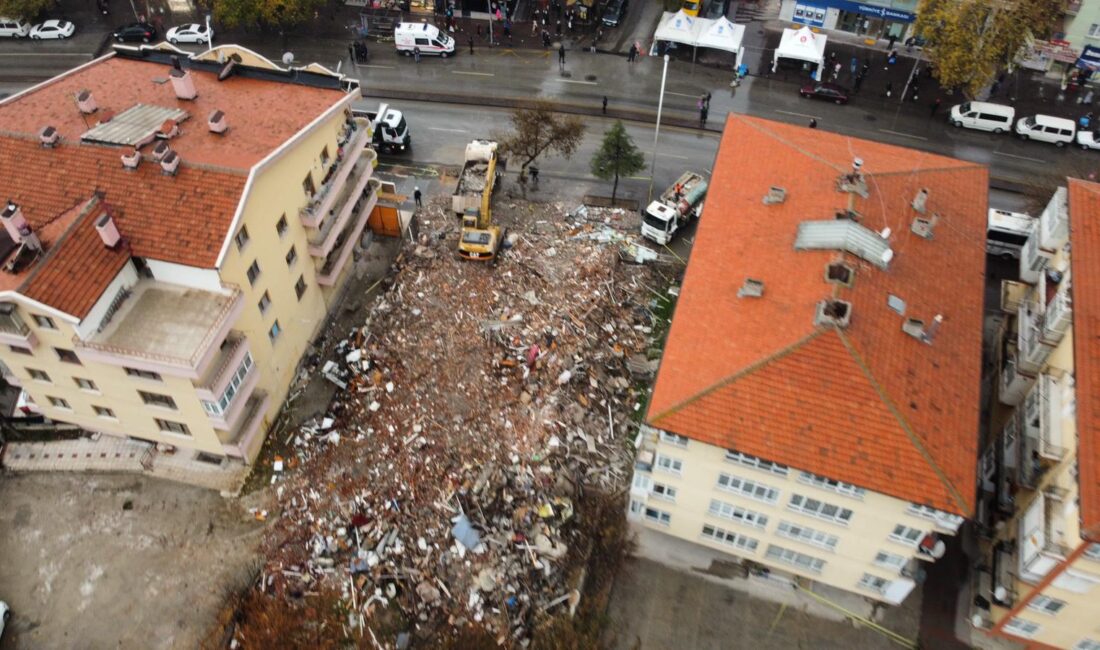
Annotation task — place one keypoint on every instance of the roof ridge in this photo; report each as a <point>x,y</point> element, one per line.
<point>725,381</point>
<point>929,170</point>
<point>90,207</point>
<point>905,427</point>
<point>790,143</point>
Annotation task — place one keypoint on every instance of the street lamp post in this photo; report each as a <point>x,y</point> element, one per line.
<point>657,129</point>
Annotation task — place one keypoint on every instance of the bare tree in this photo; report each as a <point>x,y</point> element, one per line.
<point>540,130</point>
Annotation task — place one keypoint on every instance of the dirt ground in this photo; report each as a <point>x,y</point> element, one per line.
<point>101,560</point>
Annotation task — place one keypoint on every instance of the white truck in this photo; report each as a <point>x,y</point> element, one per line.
<point>411,37</point>
<point>472,179</point>
<point>679,204</point>
<point>391,131</point>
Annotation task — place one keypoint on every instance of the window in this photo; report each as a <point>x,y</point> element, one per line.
<point>1094,30</point>
<point>142,374</point>
<point>212,459</point>
<point>795,559</point>
<point>1086,644</point>
<point>324,156</point>
<point>737,514</point>
<point>721,536</point>
<point>750,489</point>
<point>890,560</point>
<point>807,535</point>
<point>1046,605</point>
<point>253,272</point>
<point>943,519</point>
<point>1021,627</point>
<point>820,509</point>
<point>674,439</point>
<point>662,491</point>
<point>265,302</point>
<point>308,187</point>
<point>68,356</point>
<point>222,405</point>
<point>242,238</point>
<point>1079,582</point>
<point>300,287</point>
<point>274,332</point>
<point>18,349</point>
<point>38,375</point>
<point>280,226</point>
<point>85,384</point>
<point>156,399</point>
<point>45,322</point>
<point>670,465</point>
<point>847,489</point>
<point>658,516</point>
<point>895,303</point>
<point>873,583</point>
<point>57,402</point>
<point>104,412</point>
<point>907,535</point>
<point>757,463</point>
<point>173,427</point>
<point>291,256</point>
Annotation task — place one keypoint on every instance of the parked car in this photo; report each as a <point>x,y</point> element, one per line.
<point>190,33</point>
<point>982,116</point>
<point>53,29</point>
<point>826,91</point>
<point>1088,139</point>
<point>5,614</point>
<point>1046,128</point>
<point>136,33</point>
<point>614,13</point>
<point>14,28</point>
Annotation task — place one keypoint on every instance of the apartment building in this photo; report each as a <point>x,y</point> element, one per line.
<point>176,229</point>
<point>816,410</point>
<point>1038,577</point>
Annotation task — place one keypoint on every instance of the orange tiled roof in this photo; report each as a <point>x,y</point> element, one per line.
<point>868,404</point>
<point>1084,210</point>
<point>79,267</point>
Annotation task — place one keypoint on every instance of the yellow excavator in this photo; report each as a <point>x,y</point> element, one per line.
<point>481,240</point>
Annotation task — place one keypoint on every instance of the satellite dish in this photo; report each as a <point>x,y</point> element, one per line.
<point>887,255</point>
<point>1000,593</point>
<point>976,620</point>
<point>288,58</point>
<point>939,549</point>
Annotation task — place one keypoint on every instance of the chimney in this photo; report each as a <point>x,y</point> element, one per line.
<point>920,199</point>
<point>105,117</point>
<point>14,223</point>
<point>930,333</point>
<point>161,150</point>
<point>86,103</point>
<point>169,129</point>
<point>131,160</point>
<point>184,84</point>
<point>170,163</point>
<point>107,230</point>
<point>751,289</point>
<point>49,136</point>
<point>775,195</point>
<point>217,122</point>
<point>833,312</point>
<point>924,227</point>
<point>29,239</point>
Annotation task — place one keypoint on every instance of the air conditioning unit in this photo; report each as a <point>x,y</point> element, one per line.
<point>107,230</point>
<point>131,160</point>
<point>184,84</point>
<point>49,136</point>
<point>170,163</point>
<point>161,150</point>
<point>217,122</point>
<point>86,103</point>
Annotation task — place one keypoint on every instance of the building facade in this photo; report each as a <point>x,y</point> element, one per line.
<point>816,408</point>
<point>871,19</point>
<point>176,232</point>
<point>1039,573</point>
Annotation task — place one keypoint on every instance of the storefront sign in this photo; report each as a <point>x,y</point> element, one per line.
<point>885,13</point>
<point>809,14</point>
<point>1089,59</point>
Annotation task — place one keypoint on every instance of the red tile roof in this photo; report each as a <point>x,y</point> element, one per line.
<point>868,404</point>
<point>79,267</point>
<point>1084,221</point>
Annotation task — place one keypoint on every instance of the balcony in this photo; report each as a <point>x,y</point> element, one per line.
<point>1042,422</point>
<point>322,241</point>
<point>1032,352</point>
<point>1013,294</point>
<point>1041,542</point>
<point>349,237</point>
<point>331,188</point>
<point>1054,221</point>
<point>242,441</point>
<point>225,408</point>
<point>1072,7</point>
<point>1014,384</point>
<point>1033,259</point>
<point>1007,472</point>
<point>224,363</point>
<point>1057,318</point>
<point>166,328</point>
<point>13,331</point>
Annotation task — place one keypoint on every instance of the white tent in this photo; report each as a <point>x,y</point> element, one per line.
<point>802,45</point>
<point>701,32</point>
<point>678,27</point>
<point>721,34</point>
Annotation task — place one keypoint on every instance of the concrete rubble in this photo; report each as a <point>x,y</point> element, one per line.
<point>477,405</point>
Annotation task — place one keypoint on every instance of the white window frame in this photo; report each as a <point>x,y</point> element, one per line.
<point>92,387</point>
<point>1093,552</point>
<point>942,519</point>
<point>807,535</point>
<point>108,415</point>
<point>40,376</point>
<point>655,516</point>
<point>59,403</point>
<point>669,465</point>
<point>840,487</point>
<point>1022,627</point>
<point>888,560</point>
<point>748,488</point>
<point>904,537</point>
<point>875,584</point>
<point>1093,31</point>
<point>741,458</point>
<point>45,322</point>
<point>801,503</point>
<point>226,398</point>
<point>729,538</point>
<point>1087,644</point>
<point>794,558</point>
<point>663,492</point>
<point>737,514</point>
<point>1046,605</point>
<point>673,439</point>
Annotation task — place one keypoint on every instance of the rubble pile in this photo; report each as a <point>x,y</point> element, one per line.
<point>477,405</point>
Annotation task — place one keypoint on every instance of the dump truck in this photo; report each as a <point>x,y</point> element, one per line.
<point>675,208</point>
<point>391,131</point>
<point>481,240</point>
<point>475,176</point>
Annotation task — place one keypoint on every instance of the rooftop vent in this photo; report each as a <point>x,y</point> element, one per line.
<point>183,83</point>
<point>775,195</point>
<point>850,215</point>
<point>751,289</point>
<point>920,199</point>
<point>169,129</point>
<point>107,230</point>
<point>131,160</point>
<point>86,103</point>
<point>170,163</point>
<point>839,273</point>
<point>217,122</point>
<point>161,150</point>
<point>49,136</point>
<point>14,223</point>
<point>833,312</point>
<point>924,227</point>
<point>229,67</point>
<point>932,329</point>
<point>854,182</point>
<point>913,327</point>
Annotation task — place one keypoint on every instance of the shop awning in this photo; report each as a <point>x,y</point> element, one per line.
<point>801,45</point>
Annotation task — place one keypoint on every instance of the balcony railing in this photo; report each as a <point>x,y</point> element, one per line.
<point>1043,419</point>
<point>326,195</point>
<point>349,236</point>
<point>322,241</point>
<point>1057,317</point>
<point>1013,295</point>
<point>1032,352</point>
<point>1041,541</point>
<point>13,330</point>
<point>1014,384</point>
<point>242,439</point>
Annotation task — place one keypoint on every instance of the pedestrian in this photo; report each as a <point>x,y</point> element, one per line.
<point>418,197</point>
<point>866,67</point>
<point>892,59</point>
<point>858,82</point>
<point>570,24</point>
<point>534,174</point>
<point>557,28</point>
<point>935,107</point>
<point>889,88</point>
<point>545,39</point>
<point>813,123</point>
<point>854,66</point>
<point>561,56</point>
<point>703,117</point>
<point>836,71</point>
<point>507,28</point>
<point>351,53</point>
<point>535,27</point>
<point>416,54</point>
<point>893,39</point>
<point>471,40</point>
<point>605,104</point>
<point>1083,122</point>
<point>916,90</point>
<point>909,44</point>
<point>632,54</point>
<point>699,104</point>
<point>1088,97</point>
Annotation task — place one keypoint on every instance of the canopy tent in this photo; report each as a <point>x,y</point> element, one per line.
<point>802,45</point>
<point>719,34</point>
<point>678,27</point>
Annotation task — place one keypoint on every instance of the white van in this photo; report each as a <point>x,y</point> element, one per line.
<point>983,116</point>
<point>1007,232</point>
<point>410,36</point>
<point>14,28</point>
<point>1046,128</point>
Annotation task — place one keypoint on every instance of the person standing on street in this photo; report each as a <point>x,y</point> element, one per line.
<point>471,40</point>
<point>561,56</point>
<point>935,107</point>
<point>351,53</point>
<point>416,54</point>
<point>605,104</point>
<point>418,197</point>
<point>703,117</point>
<point>836,70</point>
<point>893,39</point>
<point>889,88</point>
<point>632,54</point>
<point>857,83</point>
<point>854,66</point>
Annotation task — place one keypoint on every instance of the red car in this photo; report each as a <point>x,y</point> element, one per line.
<point>826,91</point>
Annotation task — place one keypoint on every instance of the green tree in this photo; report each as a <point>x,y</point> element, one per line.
<point>28,10</point>
<point>280,14</point>
<point>617,156</point>
<point>970,41</point>
<point>538,130</point>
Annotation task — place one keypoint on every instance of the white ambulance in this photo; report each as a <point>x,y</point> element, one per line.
<point>410,36</point>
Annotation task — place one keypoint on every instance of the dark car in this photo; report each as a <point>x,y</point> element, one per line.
<point>136,33</point>
<point>826,91</point>
<point>614,13</point>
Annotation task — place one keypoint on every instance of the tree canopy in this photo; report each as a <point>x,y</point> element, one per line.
<point>540,130</point>
<point>269,13</point>
<point>970,41</point>
<point>28,10</point>
<point>617,156</point>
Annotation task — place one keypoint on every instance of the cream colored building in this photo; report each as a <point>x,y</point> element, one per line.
<point>177,230</point>
<point>1038,578</point>
<point>816,409</point>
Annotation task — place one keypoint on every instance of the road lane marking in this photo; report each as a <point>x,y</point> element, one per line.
<point>904,135</point>
<point>813,117</point>
<point>476,74</point>
<point>672,155</point>
<point>669,92</point>
<point>371,65</point>
<point>578,81</point>
<point>436,128</point>
<point>1012,155</point>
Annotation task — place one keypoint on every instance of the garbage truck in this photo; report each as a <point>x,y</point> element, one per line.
<point>475,176</point>
<point>391,131</point>
<point>675,208</point>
